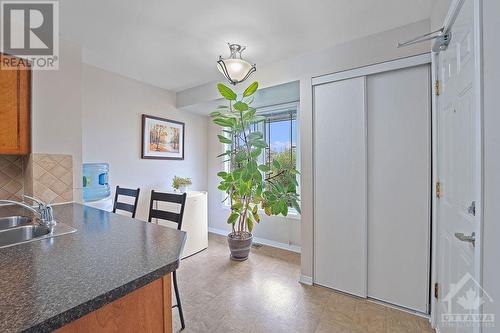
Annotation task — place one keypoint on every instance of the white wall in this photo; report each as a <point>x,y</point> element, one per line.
<point>366,51</point>
<point>111,121</point>
<point>491,244</point>
<point>57,112</point>
<point>438,14</point>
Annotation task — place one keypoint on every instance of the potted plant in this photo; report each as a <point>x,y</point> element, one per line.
<point>250,186</point>
<point>181,184</point>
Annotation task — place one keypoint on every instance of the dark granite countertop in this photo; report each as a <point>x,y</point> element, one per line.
<point>49,283</point>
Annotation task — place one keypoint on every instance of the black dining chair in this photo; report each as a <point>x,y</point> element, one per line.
<point>125,206</point>
<point>180,200</point>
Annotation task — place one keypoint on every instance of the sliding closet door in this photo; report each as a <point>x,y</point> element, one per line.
<point>340,186</point>
<point>399,186</point>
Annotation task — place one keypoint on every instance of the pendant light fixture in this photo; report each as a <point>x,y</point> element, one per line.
<point>235,68</point>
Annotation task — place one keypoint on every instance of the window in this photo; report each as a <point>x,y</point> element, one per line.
<point>280,132</point>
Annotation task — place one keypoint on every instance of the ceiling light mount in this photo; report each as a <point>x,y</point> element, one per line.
<point>235,68</point>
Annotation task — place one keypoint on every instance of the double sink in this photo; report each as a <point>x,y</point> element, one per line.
<point>16,230</point>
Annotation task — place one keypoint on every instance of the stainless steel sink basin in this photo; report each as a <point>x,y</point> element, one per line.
<point>31,232</point>
<point>22,234</point>
<point>13,221</point>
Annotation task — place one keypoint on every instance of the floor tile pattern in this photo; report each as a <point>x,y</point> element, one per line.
<point>262,295</point>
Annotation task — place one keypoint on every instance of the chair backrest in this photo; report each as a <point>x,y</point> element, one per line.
<point>125,206</point>
<point>179,199</point>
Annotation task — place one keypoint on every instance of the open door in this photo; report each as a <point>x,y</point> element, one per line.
<point>459,177</point>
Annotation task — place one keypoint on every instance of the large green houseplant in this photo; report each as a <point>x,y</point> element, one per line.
<point>250,184</point>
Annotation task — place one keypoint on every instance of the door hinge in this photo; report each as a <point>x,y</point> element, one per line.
<point>436,290</point>
<point>437,88</point>
<point>438,190</point>
<point>472,209</point>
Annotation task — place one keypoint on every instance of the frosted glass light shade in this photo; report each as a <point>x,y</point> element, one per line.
<point>234,68</point>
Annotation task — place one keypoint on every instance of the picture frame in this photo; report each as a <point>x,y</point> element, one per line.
<point>162,139</point>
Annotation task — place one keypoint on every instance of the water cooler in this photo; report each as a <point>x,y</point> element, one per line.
<point>96,190</point>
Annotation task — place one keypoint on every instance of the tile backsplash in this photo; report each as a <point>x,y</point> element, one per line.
<point>48,177</point>
<point>52,177</point>
<point>11,177</point>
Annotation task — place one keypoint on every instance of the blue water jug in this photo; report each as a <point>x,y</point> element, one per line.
<point>95,181</point>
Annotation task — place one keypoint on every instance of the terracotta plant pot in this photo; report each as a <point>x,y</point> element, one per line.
<point>240,245</point>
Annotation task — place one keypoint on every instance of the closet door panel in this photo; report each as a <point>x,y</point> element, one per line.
<point>399,186</point>
<point>340,186</point>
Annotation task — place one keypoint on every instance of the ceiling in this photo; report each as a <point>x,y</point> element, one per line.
<point>174,44</point>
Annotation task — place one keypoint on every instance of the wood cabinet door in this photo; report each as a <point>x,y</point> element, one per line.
<point>15,100</point>
<point>147,309</point>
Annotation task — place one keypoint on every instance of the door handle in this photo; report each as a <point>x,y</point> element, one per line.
<point>465,238</point>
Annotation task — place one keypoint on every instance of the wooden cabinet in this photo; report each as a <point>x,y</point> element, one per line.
<point>15,106</point>
<point>147,309</point>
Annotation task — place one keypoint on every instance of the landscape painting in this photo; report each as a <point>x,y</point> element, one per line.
<point>162,138</point>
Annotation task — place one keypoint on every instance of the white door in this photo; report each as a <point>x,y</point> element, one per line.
<point>459,173</point>
<point>399,186</point>
<point>340,186</point>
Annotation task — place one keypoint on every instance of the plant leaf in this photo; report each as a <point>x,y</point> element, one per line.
<point>221,122</point>
<point>223,139</point>
<point>256,153</point>
<point>237,206</point>
<point>264,168</point>
<point>226,114</point>
<point>251,89</point>
<point>223,186</point>
<point>228,152</point>
<point>241,156</point>
<point>250,223</point>
<point>255,136</point>
<point>295,205</point>
<point>252,166</point>
<point>256,216</point>
<point>249,114</point>
<point>284,208</point>
<point>257,176</point>
<point>240,106</point>
<point>226,92</point>
<point>232,218</point>
<point>259,144</point>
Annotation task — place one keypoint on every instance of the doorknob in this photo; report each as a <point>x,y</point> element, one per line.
<point>464,238</point>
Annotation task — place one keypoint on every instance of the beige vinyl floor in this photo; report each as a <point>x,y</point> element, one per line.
<point>263,294</point>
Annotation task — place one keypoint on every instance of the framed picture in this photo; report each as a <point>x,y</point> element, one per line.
<point>162,138</point>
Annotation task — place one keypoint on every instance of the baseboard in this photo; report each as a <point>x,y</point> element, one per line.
<point>400,308</point>
<point>307,280</point>
<point>263,241</point>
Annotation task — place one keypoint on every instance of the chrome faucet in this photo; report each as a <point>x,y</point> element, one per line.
<point>43,211</point>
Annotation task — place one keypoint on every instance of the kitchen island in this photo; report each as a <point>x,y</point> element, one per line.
<point>113,274</point>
